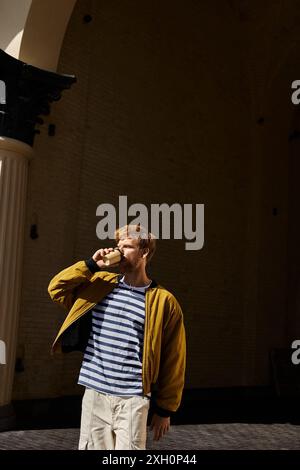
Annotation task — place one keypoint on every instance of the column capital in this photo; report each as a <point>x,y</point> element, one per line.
<point>26,93</point>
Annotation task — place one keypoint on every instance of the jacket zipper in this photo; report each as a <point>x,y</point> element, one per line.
<point>145,340</point>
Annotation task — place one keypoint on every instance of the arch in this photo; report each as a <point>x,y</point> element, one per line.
<point>12,20</point>
<point>44,32</point>
<point>34,33</point>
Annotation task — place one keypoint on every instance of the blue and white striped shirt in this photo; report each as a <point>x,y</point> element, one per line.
<point>112,361</point>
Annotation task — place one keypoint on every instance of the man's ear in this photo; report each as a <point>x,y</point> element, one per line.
<point>146,251</point>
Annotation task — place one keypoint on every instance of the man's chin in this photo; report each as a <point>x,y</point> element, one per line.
<point>122,267</point>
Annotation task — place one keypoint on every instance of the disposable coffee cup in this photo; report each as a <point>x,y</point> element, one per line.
<point>112,258</point>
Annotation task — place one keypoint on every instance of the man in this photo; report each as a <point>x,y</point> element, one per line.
<point>132,334</point>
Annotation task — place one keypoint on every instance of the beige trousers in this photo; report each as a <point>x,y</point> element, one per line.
<point>109,422</point>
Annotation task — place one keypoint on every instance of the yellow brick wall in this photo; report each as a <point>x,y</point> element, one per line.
<point>165,110</point>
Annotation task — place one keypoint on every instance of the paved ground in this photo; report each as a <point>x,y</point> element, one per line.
<point>226,436</point>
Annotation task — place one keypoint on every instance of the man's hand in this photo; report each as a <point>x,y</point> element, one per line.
<point>98,256</point>
<point>160,426</point>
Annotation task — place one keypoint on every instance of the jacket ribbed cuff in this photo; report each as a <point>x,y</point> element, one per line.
<point>162,412</point>
<point>92,265</point>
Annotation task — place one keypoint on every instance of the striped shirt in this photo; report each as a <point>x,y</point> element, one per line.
<point>112,361</point>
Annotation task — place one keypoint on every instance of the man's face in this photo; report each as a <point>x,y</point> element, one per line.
<point>133,259</point>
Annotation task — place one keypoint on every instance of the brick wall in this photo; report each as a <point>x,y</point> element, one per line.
<point>164,110</point>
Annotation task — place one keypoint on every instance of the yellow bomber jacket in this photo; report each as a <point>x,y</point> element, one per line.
<point>81,286</point>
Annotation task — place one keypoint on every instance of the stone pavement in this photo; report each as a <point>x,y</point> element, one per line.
<point>223,436</point>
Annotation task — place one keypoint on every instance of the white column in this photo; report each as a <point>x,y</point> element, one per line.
<point>14,157</point>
